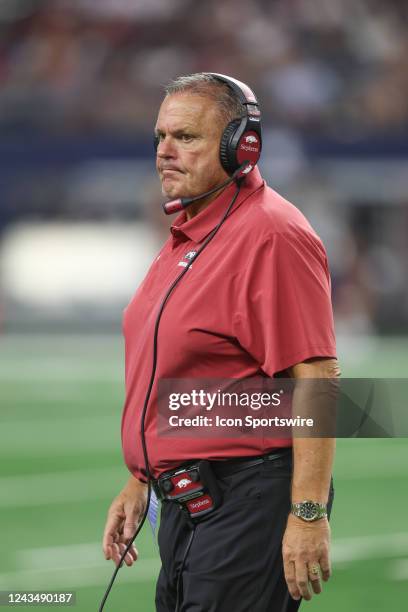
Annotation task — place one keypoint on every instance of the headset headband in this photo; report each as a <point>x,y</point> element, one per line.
<point>245,93</point>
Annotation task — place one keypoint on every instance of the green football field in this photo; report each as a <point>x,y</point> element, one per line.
<point>60,407</point>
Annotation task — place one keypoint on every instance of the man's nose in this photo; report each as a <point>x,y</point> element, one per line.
<point>166,148</point>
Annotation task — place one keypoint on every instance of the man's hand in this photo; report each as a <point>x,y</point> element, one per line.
<point>123,518</point>
<point>305,545</point>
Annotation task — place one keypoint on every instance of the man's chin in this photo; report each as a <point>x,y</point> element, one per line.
<point>171,193</point>
<point>174,186</point>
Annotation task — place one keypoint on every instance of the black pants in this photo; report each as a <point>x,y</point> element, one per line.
<point>234,563</point>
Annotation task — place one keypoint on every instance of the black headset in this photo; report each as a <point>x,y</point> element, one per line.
<point>241,140</point>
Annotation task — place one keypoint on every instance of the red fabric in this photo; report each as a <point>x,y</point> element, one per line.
<point>255,302</point>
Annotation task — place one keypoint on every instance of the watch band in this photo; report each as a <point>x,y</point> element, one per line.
<point>309,510</point>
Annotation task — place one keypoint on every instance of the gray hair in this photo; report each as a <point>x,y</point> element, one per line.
<point>204,84</point>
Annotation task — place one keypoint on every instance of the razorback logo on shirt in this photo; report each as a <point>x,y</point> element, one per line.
<point>188,256</point>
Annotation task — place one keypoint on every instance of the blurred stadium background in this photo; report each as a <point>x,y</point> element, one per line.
<point>80,219</point>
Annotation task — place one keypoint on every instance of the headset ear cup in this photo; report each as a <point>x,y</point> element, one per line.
<point>227,153</point>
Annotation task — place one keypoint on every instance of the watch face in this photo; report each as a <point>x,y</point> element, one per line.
<point>308,511</point>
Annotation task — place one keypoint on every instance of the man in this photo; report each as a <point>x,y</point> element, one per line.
<point>255,303</point>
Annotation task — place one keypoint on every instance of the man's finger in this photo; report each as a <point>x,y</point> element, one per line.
<point>131,555</point>
<point>290,577</point>
<point>113,553</point>
<point>107,542</point>
<point>128,558</point>
<point>314,577</point>
<point>325,566</point>
<point>302,580</point>
<point>112,525</point>
<point>134,553</point>
<point>316,586</point>
<point>116,554</point>
<point>107,551</point>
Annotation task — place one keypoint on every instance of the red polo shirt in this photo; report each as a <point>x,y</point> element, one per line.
<point>255,302</point>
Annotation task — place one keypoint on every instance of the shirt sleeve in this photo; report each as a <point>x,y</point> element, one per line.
<point>284,311</point>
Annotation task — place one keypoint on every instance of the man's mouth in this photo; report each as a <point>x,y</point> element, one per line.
<point>170,171</point>
<point>170,175</point>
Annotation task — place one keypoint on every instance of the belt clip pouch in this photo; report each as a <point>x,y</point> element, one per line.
<point>195,487</point>
<point>212,496</point>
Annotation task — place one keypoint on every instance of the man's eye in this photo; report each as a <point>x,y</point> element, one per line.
<point>187,137</point>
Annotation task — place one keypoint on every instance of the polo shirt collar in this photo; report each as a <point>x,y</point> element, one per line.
<point>197,228</point>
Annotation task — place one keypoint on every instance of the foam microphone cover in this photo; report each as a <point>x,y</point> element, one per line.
<point>173,206</point>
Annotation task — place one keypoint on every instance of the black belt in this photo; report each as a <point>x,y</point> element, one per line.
<point>194,484</point>
<point>227,467</point>
<point>232,466</point>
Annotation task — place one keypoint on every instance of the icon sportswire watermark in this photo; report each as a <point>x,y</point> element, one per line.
<point>282,407</point>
